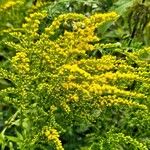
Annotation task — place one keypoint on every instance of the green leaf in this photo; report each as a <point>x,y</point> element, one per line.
<point>11,146</point>
<point>13,139</point>
<point>2,140</point>
<point>95,146</point>
<point>121,6</point>
<point>104,27</point>
<point>19,135</point>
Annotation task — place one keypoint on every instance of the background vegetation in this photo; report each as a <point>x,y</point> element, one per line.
<point>75,74</point>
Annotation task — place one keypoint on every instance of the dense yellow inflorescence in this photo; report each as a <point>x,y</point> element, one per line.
<point>9,4</point>
<point>87,77</point>
<point>55,70</point>
<point>78,41</point>
<point>21,62</point>
<point>53,135</point>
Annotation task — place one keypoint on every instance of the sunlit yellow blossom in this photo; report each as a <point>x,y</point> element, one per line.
<point>21,62</point>
<point>53,135</point>
<point>9,4</point>
<point>59,74</point>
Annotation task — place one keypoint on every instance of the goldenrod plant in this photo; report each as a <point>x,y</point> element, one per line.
<point>12,13</point>
<point>64,97</point>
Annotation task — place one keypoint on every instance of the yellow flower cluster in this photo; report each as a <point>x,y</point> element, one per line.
<point>97,19</point>
<point>97,66</point>
<point>74,98</point>
<point>62,18</point>
<point>113,100</point>
<point>109,45</point>
<point>80,40</point>
<point>120,137</point>
<point>75,68</point>
<point>9,4</point>
<point>33,21</point>
<point>118,76</point>
<point>65,107</point>
<point>61,75</point>
<point>53,135</point>
<point>20,62</point>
